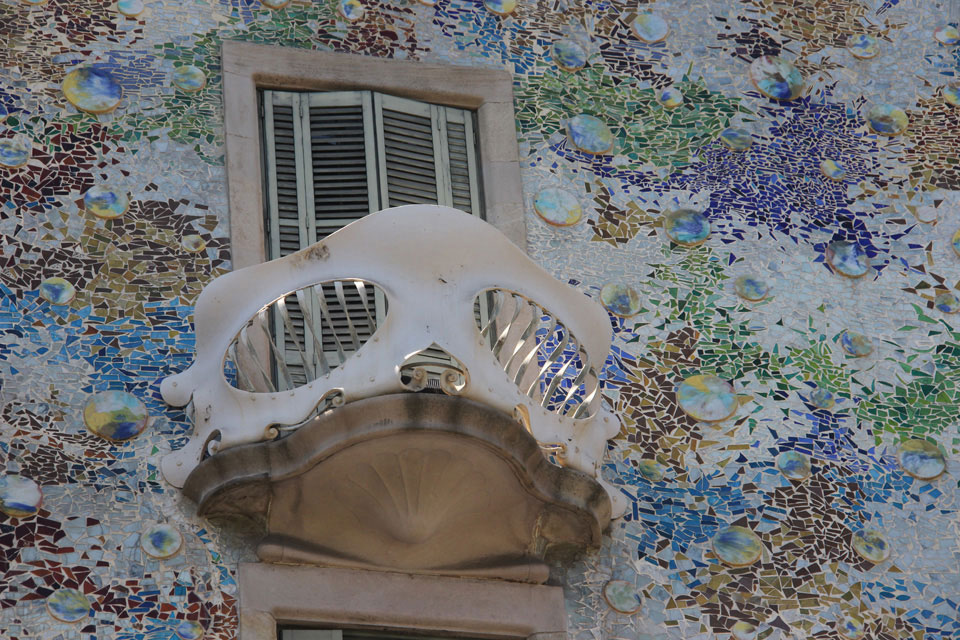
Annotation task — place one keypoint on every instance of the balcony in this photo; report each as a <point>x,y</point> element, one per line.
<point>409,375</point>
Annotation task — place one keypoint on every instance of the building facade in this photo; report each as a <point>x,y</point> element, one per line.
<point>764,193</point>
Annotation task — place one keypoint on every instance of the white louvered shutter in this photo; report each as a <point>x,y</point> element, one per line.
<point>320,158</point>
<point>462,161</point>
<point>425,156</point>
<point>332,158</point>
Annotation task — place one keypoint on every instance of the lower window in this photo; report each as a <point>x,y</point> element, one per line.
<point>347,634</point>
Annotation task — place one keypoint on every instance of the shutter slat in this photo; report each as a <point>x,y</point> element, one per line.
<point>409,158</point>
<point>338,165</point>
<point>400,199</point>
<point>333,208</point>
<point>346,165</point>
<point>400,141</point>
<point>429,196</point>
<point>410,178</point>
<point>343,143</point>
<point>400,133</point>
<point>407,118</point>
<point>350,181</point>
<point>342,170</point>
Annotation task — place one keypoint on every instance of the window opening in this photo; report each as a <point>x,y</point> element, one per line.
<point>349,634</point>
<point>331,158</point>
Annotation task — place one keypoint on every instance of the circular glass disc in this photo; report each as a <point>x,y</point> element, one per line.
<point>92,90</point>
<point>115,415</point>
<point>589,134</point>
<point>620,300</point>
<point>707,398</point>
<point>737,546</point>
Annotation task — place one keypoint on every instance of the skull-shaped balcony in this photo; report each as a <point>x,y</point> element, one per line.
<point>409,375</point>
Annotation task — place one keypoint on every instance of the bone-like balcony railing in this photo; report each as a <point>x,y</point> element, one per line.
<point>540,354</point>
<point>303,335</point>
<point>412,298</point>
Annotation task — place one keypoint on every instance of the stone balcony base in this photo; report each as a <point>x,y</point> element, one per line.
<point>418,483</point>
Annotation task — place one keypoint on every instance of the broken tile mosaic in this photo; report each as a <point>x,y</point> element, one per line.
<point>89,304</point>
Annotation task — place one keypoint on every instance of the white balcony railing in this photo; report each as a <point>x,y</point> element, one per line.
<point>408,299</point>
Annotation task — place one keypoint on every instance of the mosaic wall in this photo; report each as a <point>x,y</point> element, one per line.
<point>765,194</point>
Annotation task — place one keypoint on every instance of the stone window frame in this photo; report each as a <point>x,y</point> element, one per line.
<point>248,68</point>
<point>272,595</point>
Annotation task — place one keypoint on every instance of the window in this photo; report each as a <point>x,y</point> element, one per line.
<point>274,597</point>
<point>334,157</point>
<point>347,634</point>
<point>406,88</point>
<point>250,69</point>
<point>331,158</point>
